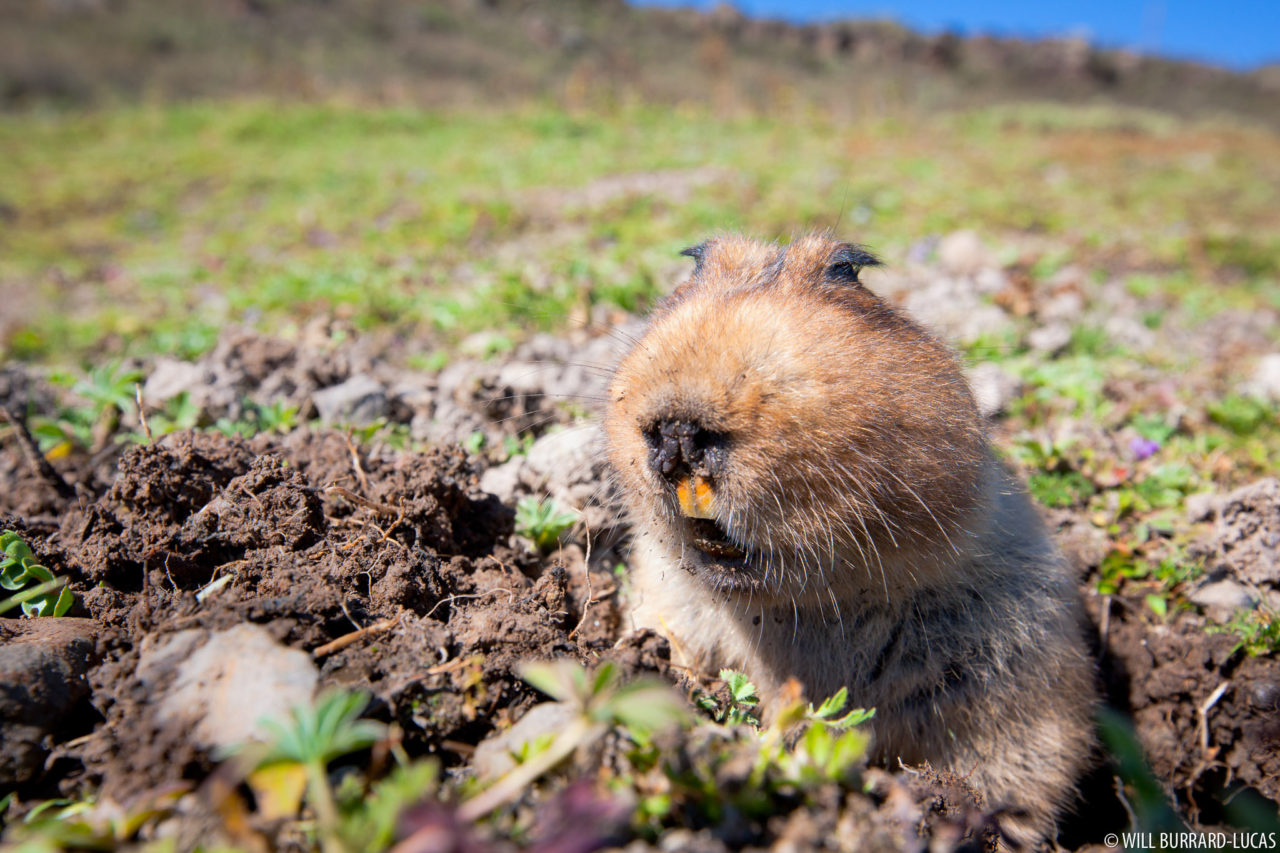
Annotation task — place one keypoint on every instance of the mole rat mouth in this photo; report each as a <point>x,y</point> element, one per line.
<point>710,539</point>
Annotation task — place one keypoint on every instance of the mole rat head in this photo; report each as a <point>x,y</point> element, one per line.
<point>780,431</point>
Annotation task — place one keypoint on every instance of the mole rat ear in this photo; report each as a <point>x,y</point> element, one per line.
<point>847,261</point>
<point>698,253</point>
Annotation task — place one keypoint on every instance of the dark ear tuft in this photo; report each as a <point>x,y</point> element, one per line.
<point>847,261</point>
<point>697,252</point>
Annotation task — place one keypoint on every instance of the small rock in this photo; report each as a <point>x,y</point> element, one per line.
<point>955,312</point>
<point>493,755</point>
<point>359,400</point>
<point>569,465</point>
<point>990,281</point>
<point>227,682</point>
<point>1128,333</point>
<point>962,253</point>
<point>502,480</point>
<point>43,664</point>
<point>1221,599</point>
<point>993,388</point>
<point>1201,506</point>
<point>1264,382</point>
<point>1050,339</point>
<point>171,377</point>
<point>1246,537</point>
<point>1066,307</point>
<point>483,344</point>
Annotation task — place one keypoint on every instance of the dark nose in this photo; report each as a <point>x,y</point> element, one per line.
<point>678,448</point>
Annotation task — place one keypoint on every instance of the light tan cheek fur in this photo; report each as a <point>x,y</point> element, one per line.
<point>883,549</point>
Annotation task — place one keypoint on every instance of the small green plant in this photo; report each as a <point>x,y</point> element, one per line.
<point>1060,489</point>
<point>800,751</point>
<point>370,819</point>
<point>1257,630</point>
<point>294,761</point>
<point>543,521</point>
<point>39,593</point>
<point>1166,485</point>
<point>109,389</point>
<point>1154,428</point>
<point>277,417</point>
<point>1242,415</point>
<point>256,418</point>
<point>517,445</point>
<point>742,701</point>
<point>63,824</point>
<point>1164,579</point>
<point>179,413</point>
<point>1054,480</point>
<point>601,702</point>
<point>474,443</point>
<point>827,711</point>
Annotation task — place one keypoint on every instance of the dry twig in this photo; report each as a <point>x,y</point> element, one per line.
<point>42,466</point>
<point>347,639</point>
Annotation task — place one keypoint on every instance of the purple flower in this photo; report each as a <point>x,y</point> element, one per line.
<point>1143,447</point>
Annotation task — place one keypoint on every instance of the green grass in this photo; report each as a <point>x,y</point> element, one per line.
<point>144,229</point>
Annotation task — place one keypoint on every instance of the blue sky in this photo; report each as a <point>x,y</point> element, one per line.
<point>1241,34</point>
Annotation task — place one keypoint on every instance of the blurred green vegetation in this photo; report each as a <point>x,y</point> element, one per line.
<point>139,229</point>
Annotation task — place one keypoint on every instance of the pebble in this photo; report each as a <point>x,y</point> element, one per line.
<point>226,683</point>
<point>1050,339</point>
<point>1221,599</point>
<point>993,388</point>
<point>360,400</point>
<point>1264,382</point>
<point>493,756</point>
<point>43,664</point>
<point>962,253</point>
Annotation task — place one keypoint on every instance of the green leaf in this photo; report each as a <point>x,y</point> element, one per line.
<point>833,704</point>
<point>741,690</point>
<point>647,705</point>
<point>319,733</point>
<point>550,678</point>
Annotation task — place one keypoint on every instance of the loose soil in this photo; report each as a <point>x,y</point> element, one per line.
<point>314,536</point>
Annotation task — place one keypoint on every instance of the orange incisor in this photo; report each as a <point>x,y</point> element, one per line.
<point>697,498</point>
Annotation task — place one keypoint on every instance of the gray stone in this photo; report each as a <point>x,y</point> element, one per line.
<point>990,281</point>
<point>1065,307</point>
<point>1201,506</point>
<point>1050,339</point>
<point>993,388</point>
<point>1221,599</point>
<point>1246,536</point>
<point>226,683</point>
<point>1126,332</point>
<point>503,480</point>
<point>962,253</point>
<point>1264,382</point>
<point>569,465</point>
<point>951,308</point>
<point>359,400</point>
<point>171,377</point>
<point>43,668</point>
<point>493,756</point>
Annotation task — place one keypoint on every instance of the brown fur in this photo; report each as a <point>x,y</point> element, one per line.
<point>883,548</point>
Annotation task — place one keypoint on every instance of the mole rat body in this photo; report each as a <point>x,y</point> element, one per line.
<point>814,498</point>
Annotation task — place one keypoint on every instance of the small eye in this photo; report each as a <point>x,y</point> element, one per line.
<point>843,271</point>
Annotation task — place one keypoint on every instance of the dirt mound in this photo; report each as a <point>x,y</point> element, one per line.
<point>396,572</point>
<point>267,531</point>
